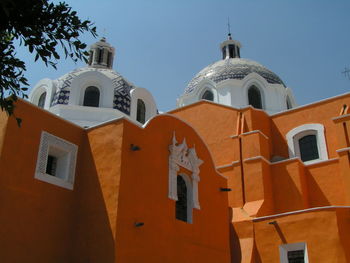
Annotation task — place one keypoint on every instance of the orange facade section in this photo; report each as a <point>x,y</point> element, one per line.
<point>266,181</point>
<point>114,188</point>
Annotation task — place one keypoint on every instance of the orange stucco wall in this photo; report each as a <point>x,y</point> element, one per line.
<point>142,199</point>
<point>215,124</point>
<point>322,113</point>
<point>319,230</point>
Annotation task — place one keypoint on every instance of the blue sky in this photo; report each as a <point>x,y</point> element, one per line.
<point>161,44</point>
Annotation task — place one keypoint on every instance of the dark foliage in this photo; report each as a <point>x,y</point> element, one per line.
<point>42,27</point>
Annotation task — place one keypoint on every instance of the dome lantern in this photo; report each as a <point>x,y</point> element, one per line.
<point>101,54</point>
<point>230,48</point>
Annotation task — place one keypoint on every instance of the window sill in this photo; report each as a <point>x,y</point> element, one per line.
<point>54,180</point>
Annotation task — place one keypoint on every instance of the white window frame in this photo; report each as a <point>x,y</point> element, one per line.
<point>66,154</point>
<point>37,94</point>
<point>294,135</point>
<point>182,156</point>
<point>292,247</point>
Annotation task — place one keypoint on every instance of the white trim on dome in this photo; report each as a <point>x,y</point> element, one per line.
<point>44,85</point>
<point>143,94</point>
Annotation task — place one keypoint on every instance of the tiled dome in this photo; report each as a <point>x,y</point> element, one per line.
<point>232,68</point>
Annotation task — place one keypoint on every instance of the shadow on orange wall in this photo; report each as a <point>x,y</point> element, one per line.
<point>235,247</point>
<point>317,197</point>
<point>93,237</point>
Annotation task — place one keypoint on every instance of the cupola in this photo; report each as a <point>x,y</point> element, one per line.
<point>101,54</point>
<point>230,48</point>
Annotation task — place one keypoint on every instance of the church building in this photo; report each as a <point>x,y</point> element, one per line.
<point>238,172</point>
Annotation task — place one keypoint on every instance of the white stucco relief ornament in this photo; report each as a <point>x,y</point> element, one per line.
<point>181,155</point>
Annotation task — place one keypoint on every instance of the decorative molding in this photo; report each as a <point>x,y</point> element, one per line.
<point>347,149</point>
<point>181,155</point>
<point>248,133</point>
<point>255,131</point>
<point>320,208</point>
<point>234,163</point>
<point>66,153</point>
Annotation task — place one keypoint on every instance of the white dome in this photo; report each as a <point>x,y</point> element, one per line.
<point>94,94</point>
<point>239,83</point>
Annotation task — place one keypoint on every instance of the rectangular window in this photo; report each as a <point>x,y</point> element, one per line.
<point>56,161</point>
<point>293,253</point>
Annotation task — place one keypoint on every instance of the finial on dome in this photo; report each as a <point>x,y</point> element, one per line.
<point>229,29</point>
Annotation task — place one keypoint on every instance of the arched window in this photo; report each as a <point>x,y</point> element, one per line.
<point>308,143</point>
<point>208,95</point>
<point>181,203</point>
<point>91,97</point>
<point>308,148</point>
<point>41,102</point>
<point>254,97</point>
<point>141,111</point>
